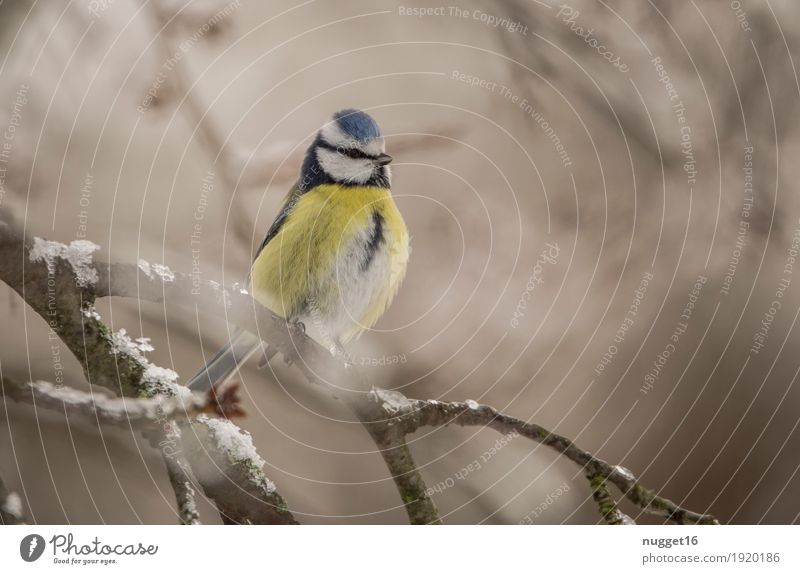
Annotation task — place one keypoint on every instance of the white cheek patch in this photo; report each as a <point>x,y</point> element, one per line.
<point>343,168</point>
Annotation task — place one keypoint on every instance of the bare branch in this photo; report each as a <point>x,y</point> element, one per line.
<point>210,136</point>
<point>391,441</point>
<point>605,502</point>
<point>417,413</point>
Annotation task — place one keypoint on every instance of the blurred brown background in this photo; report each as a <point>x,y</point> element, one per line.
<point>556,126</point>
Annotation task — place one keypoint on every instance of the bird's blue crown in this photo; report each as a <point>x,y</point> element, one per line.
<point>357,124</point>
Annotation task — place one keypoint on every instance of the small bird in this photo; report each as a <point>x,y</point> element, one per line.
<point>335,255</point>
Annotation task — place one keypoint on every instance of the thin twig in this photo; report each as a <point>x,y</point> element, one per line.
<point>179,471</point>
<point>104,409</point>
<point>417,413</point>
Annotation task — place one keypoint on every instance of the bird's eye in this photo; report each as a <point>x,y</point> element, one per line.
<point>353,153</point>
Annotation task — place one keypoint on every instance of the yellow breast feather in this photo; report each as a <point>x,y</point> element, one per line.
<point>293,266</point>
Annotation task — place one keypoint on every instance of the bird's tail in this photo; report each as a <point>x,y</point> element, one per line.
<point>226,361</point>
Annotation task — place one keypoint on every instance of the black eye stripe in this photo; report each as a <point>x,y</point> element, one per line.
<point>354,153</point>
<point>349,152</point>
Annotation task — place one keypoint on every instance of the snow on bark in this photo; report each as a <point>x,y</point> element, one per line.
<point>78,253</point>
<point>236,442</point>
<point>156,380</point>
<point>150,269</point>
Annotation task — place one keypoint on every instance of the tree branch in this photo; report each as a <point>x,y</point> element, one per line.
<point>179,471</point>
<point>605,502</point>
<point>418,413</point>
<point>159,285</point>
<point>60,282</point>
<point>388,416</point>
<point>141,413</point>
<point>118,411</point>
<point>378,410</point>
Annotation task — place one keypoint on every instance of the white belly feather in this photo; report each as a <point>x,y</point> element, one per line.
<point>359,286</point>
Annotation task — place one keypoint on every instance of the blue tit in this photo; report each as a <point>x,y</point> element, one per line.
<point>335,255</point>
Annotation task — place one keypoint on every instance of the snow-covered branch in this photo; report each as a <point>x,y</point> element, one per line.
<point>61,283</point>
<point>179,473</point>
<point>141,412</point>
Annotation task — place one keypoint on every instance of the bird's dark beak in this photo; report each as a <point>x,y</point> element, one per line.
<point>383,159</point>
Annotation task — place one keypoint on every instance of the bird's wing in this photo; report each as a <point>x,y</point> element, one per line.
<point>288,205</point>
